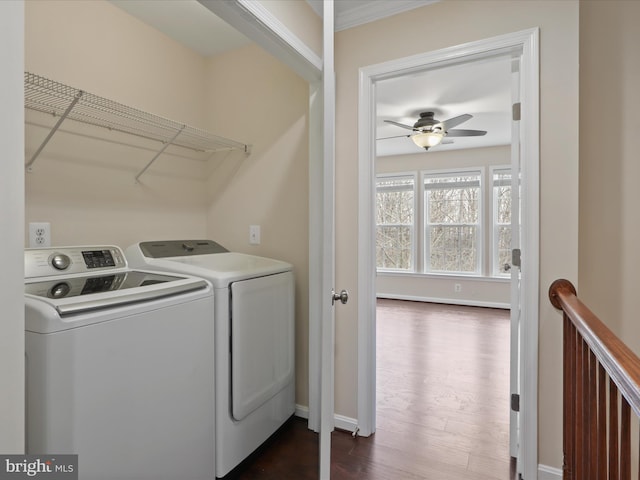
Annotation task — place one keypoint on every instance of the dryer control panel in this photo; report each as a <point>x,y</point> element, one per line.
<point>180,248</point>
<point>45,262</point>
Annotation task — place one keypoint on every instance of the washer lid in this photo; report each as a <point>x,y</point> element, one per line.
<point>78,294</point>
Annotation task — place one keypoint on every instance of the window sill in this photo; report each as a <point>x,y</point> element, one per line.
<point>442,276</point>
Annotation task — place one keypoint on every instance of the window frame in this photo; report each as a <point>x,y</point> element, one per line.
<point>444,173</point>
<point>413,175</point>
<point>495,269</point>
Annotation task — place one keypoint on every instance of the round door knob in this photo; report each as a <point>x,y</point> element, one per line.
<point>343,296</point>
<point>60,261</point>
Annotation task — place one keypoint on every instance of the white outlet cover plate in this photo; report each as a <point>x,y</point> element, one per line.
<point>39,234</point>
<point>254,234</point>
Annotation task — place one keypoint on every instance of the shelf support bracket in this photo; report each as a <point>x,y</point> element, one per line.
<point>166,145</point>
<point>55,128</point>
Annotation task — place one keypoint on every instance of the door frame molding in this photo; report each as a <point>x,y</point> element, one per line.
<point>528,42</point>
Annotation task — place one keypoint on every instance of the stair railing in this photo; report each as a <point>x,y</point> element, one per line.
<point>601,387</point>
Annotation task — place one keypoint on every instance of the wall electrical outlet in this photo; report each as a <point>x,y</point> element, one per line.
<point>39,234</point>
<point>457,287</point>
<point>254,234</point>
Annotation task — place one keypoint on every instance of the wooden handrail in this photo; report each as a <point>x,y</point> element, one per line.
<point>596,410</point>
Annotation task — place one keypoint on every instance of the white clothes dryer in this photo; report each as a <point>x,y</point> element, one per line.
<point>119,366</point>
<point>254,328</point>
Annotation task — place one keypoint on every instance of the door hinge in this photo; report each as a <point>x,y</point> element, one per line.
<point>515,111</point>
<point>515,402</point>
<point>516,260</point>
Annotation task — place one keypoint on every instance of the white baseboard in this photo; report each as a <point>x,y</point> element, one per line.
<point>549,473</point>
<point>351,424</point>
<point>345,423</point>
<point>449,301</point>
<point>302,411</point>
<point>340,421</point>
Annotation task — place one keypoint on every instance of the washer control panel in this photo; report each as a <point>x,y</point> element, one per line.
<point>45,262</point>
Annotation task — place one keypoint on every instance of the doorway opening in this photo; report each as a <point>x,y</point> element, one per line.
<point>525,44</point>
<point>443,242</point>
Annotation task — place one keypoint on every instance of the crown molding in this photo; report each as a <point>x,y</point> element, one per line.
<point>351,14</point>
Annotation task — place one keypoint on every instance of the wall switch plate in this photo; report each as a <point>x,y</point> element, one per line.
<point>39,234</point>
<point>254,234</point>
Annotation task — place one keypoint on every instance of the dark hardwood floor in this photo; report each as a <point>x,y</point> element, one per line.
<point>442,406</point>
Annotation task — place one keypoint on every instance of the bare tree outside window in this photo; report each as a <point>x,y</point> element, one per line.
<point>395,199</point>
<point>452,206</point>
<point>502,220</point>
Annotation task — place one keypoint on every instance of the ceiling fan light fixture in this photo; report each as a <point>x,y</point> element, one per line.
<point>427,140</point>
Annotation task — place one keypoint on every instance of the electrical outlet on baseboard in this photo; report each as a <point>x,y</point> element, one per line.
<point>39,234</point>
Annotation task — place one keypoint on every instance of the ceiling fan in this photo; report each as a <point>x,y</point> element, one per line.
<point>431,132</point>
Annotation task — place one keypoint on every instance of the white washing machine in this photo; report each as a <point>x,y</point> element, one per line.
<point>254,328</point>
<point>119,366</point>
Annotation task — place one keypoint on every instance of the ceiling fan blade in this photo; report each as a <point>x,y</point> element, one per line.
<point>455,121</point>
<point>397,136</point>
<point>401,125</point>
<point>445,142</point>
<point>466,133</point>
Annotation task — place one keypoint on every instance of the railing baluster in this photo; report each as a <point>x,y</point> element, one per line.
<point>602,423</point>
<point>593,416</point>
<point>569,422</point>
<point>579,432</point>
<point>625,440</point>
<point>613,432</point>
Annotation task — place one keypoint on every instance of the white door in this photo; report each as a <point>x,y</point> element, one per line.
<point>514,427</point>
<point>328,256</point>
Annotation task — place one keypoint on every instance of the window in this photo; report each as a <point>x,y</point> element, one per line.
<point>501,221</point>
<point>395,213</point>
<point>452,205</point>
<point>462,226</point>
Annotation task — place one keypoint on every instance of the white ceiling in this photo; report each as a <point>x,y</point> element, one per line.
<point>188,22</point>
<point>481,89</point>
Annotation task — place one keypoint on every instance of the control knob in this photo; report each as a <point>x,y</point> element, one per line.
<point>60,261</point>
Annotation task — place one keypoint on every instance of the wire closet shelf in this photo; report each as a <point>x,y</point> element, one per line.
<point>65,102</point>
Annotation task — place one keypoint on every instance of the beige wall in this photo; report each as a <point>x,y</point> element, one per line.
<point>268,105</point>
<point>609,166</point>
<point>487,292</point>
<point>301,19</point>
<point>85,187</point>
<point>430,28</point>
